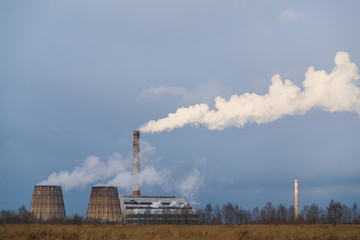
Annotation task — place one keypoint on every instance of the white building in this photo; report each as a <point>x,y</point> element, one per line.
<point>157,210</point>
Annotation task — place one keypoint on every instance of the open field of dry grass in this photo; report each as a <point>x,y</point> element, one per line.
<point>259,232</point>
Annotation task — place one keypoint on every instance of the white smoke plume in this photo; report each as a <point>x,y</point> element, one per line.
<point>114,172</point>
<point>333,92</point>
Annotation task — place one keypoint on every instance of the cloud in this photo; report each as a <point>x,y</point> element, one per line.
<point>288,15</point>
<point>204,93</point>
<point>328,191</point>
<point>333,92</point>
<point>263,29</point>
<point>159,92</point>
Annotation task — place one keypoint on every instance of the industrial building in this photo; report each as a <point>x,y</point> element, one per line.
<point>157,210</point>
<point>137,209</point>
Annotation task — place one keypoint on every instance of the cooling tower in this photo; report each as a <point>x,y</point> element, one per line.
<point>104,206</point>
<point>47,203</point>
<point>136,163</point>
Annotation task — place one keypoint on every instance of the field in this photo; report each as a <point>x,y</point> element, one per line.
<point>180,232</point>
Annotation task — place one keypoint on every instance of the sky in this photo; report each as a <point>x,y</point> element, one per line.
<point>78,77</point>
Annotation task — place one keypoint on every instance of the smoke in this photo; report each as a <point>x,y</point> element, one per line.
<point>333,92</point>
<point>173,204</point>
<point>191,184</point>
<point>116,171</point>
<point>91,171</point>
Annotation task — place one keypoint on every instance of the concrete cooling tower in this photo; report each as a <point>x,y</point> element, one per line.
<point>47,203</point>
<point>104,206</point>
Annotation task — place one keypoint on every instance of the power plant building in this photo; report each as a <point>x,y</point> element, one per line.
<point>157,210</point>
<point>106,206</point>
<point>137,209</point>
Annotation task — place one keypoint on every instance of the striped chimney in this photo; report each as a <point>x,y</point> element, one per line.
<point>296,199</point>
<point>136,164</point>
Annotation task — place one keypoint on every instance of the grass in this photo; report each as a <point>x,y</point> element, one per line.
<point>258,232</point>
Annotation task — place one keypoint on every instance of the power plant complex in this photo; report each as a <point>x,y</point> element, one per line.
<point>106,206</point>
<point>153,209</point>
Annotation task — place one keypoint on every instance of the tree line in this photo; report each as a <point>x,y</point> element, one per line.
<point>23,216</point>
<point>228,214</point>
<point>334,213</point>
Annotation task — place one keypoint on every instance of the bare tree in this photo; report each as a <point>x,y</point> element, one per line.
<point>8,217</point>
<point>25,217</point>
<point>303,215</point>
<point>165,215</point>
<point>237,214</point>
<point>75,219</point>
<point>291,213</point>
<point>185,215</point>
<point>146,216</point>
<point>246,216</point>
<point>256,215</point>
<point>228,213</point>
<point>208,211</point>
<point>217,218</point>
<point>355,214</point>
<point>281,213</point>
<point>155,217</point>
<point>268,212</point>
<point>346,214</point>
<point>313,215</point>
<point>202,218</point>
<point>334,212</point>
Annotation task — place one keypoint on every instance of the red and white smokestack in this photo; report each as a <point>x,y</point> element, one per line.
<point>136,163</point>
<point>296,199</point>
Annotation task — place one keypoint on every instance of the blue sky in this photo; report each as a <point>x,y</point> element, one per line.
<point>77,77</point>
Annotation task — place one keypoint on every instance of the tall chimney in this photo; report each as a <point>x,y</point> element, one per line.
<point>136,164</point>
<point>296,199</point>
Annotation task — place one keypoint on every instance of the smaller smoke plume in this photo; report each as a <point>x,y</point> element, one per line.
<point>191,184</point>
<point>117,171</point>
<point>173,204</point>
<point>333,92</point>
<point>157,204</point>
<point>114,172</point>
<point>91,171</point>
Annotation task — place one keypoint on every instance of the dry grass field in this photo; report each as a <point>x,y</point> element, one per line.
<point>288,232</point>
